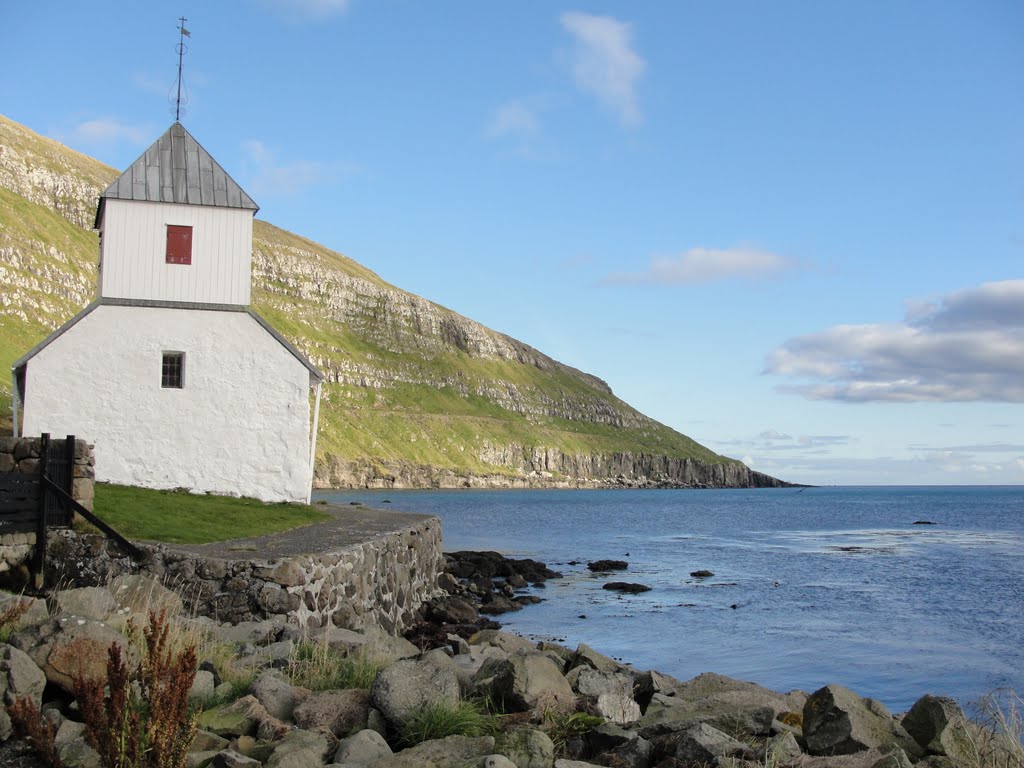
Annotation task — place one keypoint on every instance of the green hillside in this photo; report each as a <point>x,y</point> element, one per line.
<point>411,387</point>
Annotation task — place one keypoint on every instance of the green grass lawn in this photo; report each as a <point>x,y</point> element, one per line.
<point>179,517</point>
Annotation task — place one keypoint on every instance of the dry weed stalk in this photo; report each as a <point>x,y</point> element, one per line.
<point>153,727</point>
<point>30,725</point>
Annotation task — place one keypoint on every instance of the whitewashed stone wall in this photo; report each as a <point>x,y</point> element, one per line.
<point>381,581</point>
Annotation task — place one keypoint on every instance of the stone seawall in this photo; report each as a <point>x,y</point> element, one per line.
<point>381,580</point>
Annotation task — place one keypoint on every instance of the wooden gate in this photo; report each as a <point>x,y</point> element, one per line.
<point>43,500</point>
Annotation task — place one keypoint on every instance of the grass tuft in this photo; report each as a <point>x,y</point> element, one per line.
<point>317,666</point>
<point>437,721</point>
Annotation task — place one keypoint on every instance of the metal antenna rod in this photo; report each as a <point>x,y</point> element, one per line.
<point>182,34</point>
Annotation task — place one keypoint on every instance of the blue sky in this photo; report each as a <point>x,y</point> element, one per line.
<point>791,230</point>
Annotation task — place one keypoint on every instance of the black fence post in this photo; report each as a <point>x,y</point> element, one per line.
<point>39,561</point>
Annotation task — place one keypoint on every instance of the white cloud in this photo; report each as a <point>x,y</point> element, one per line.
<point>604,62</point>
<point>703,265</point>
<point>967,346</point>
<point>266,175</point>
<point>513,118</point>
<point>297,10</point>
<point>109,131</point>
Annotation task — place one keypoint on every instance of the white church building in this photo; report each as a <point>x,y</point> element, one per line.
<point>169,373</point>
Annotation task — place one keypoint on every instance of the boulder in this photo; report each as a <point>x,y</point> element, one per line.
<point>586,655</point>
<point>590,682</point>
<point>204,741</point>
<point>782,749</point>
<point>19,676</point>
<point>839,722</point>
<point>451,752</point>
<point>77,648</point>
<point>22,611</point>
<point>895,759</point>
<point>335,712</point>
<point>507,642</point>
<point>523,680</point>
<point>72,747</point>
<point>704,744</point>
<point>938,726</point>
<point>498,761</point>
<point>275,693</point>
<point>203,688</point>
<point>232,719</point>
<point>228,758</point>
<point>362,748</point>
<point>527,747</point>
<point>410,684</point>
<point>380,646</point>
<point>626,586</point>
<point>731,705</point>
<point>299,749</point>
<point>95,603</point>
<point>607,565</point>
<point>141,593</point>
<point>617,707</point>
<point>254,632</point>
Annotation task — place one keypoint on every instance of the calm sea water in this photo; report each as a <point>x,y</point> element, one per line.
<point>811,586</point>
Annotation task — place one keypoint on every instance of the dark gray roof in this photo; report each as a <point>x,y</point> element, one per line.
<point>176,169</point>
<point>24,359</point>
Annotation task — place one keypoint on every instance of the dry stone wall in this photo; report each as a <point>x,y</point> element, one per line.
<point>381,581</point>
<point>22,455</point>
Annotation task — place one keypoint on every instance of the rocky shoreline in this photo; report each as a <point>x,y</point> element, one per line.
<point>541,705</point>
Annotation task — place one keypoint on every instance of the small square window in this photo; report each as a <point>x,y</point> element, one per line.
<point>179,244</point>
<point>172,371</point>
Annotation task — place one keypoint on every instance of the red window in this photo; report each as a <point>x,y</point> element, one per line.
<point>179,244</point>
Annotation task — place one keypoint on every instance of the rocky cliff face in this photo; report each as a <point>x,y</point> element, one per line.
<point>415,395</point>
<point>547,468</point>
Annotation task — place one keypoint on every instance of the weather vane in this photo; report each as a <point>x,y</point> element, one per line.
<point>181,48</point>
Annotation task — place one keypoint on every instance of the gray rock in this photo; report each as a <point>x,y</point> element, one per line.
<point>232,719</point>
<point>19,676</point>
<point>938,726</point>
<point>587,655</point>
<point>275,693</point>
<point>140,593</point>
<point>255,632</point>
<point>617,708</point>
<point>498,761</point>
<point>72,748</point>
<point>524,680</point>
<point>204,741</point>
<point>574,764</point>
<point>409,684</point>
<point>299,749</point>
<point>94,603</point>
<point>635,753</point>
<point>839,722</point>
<point>702,743</point>
<point>896,759</point>
<point>783,748</point>
<point>362,748</point>
<point>228,758</point>
<point>527,747</point>
<point>35,610</point>
<point>590,682</point>
<point>451,752</point>
<point>335,712</point>
<point>202,688</point>
<point>505,641</point>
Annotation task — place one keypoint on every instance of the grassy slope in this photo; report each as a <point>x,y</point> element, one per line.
<point>414,422</point>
